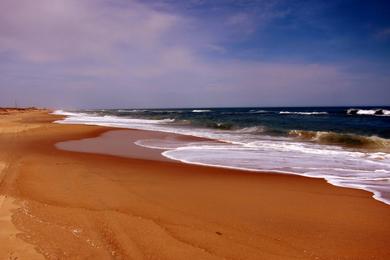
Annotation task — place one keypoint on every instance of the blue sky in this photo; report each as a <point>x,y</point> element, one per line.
<point>326,31</point>
<point>123,53</point>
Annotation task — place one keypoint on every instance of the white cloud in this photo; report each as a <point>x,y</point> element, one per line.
<point>94,53</point>
<point>58,30</point>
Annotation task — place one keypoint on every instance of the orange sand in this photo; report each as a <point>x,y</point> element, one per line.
<point>68,205</point>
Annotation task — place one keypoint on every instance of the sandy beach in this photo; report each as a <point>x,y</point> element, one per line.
<point>116,200</point>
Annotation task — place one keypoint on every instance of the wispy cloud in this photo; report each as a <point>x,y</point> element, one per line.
<point>383,34</point>
<point>58,30</point>
<point>133,53</point>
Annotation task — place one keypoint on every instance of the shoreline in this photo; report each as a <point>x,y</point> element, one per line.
<point>378,192</point>
<point>109,206</point>
<point>95,145</point>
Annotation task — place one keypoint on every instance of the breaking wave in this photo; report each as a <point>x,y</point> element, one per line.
<point>201,110</point>
<point>302,113</point>
<point>368,112</point>
<point>131,110</point>
<point>253,111</point>
<point>347,140</point>
<point>252,130</point>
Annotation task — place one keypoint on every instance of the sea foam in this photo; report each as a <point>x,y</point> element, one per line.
<point>368,112</point>
<point>201,110</point>
<point>302,113</point>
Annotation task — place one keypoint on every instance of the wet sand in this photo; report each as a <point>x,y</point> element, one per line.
<point>82,205</point>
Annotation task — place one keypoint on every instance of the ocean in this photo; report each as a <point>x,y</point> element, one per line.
<point>347,146</point>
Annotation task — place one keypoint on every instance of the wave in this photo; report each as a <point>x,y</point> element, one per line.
<point>164,111</point>
<point>347,140</point>
<point>259,111</point>
<point>66,113</point>
<point>131,110</point>
<point>252,130</point>
<point>368,112</point>
<point>302,113</point>
<point>216,125</point>
<point>261,130</point>
<point>340,167</point>
<point>107,120</point>
<point>200,111</point>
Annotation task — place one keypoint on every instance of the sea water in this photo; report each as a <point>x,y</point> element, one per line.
<point>347,146</point>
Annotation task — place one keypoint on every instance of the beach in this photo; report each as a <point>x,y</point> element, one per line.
<point>117,200</point>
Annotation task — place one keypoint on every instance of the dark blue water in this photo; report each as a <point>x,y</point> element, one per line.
<point>358,121</point>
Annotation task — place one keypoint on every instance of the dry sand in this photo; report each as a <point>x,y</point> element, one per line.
<point>71,205</point>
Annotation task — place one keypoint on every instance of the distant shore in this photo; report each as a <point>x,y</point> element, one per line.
<point>97,204</point>
<point>6,110</point>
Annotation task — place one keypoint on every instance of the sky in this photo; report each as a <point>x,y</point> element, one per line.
<point>196,53</point>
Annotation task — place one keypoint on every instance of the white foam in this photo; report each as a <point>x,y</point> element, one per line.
<point>302,113</point>
<point>82,118</point>
<point>258,111</point>
<point>368,112</point>
<point>200,110</point>
<point>338,167</point>
<point>65,113</point>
